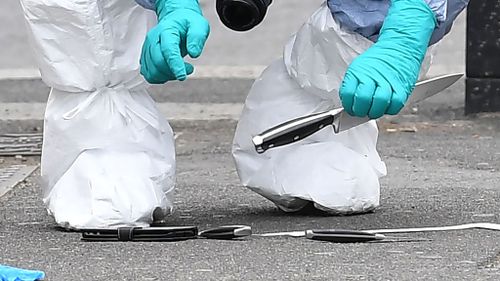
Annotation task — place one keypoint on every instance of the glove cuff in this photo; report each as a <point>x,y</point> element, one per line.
<point>165,7</point>
<point>412,21</point>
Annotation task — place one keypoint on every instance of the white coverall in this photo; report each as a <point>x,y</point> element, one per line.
<point>108,155</point>
<point>336,173</point>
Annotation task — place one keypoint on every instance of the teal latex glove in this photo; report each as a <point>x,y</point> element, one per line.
<point>380,80</point>
<point>182,30</point>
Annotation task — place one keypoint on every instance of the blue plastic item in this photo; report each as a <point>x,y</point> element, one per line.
<point>8,273</point>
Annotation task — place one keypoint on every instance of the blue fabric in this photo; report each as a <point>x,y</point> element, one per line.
<point>148,4</point>
<point>367,16</point>
<point>8,273</point>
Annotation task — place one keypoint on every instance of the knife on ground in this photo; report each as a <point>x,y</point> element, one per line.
<point>165,233</point>
<point>342,236</point>
<point>302,127</point>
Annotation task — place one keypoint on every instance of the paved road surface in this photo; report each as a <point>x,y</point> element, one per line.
<point>445,173</point>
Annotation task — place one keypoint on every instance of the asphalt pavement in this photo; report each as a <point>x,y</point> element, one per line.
<point>440,173</point>
<point>444,169</point>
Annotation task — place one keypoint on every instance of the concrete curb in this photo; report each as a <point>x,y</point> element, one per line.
<point>172,111</point>
<point>201,71</point>
<point>216,93</point>
<point>200,90</point>
<point>210,84</point>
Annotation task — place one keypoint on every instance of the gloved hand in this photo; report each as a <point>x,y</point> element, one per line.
<point>381,79</point>
<point>181,30</point>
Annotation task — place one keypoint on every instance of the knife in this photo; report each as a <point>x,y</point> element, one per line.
<point>339,235</point>
<point>164,233</point>
<point>342,236</point>
<point>302,127</point>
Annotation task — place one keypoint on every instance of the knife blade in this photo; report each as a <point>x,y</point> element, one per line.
<point>302,127</point>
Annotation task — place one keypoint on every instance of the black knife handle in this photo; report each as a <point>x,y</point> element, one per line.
<point>165,234</point>
<point>292,131</point>
<point>342,236</point>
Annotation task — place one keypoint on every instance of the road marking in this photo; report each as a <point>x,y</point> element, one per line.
<point>19,74</point>
<point>224,71</point>
<point>13,175</point>
<point>201,111</point>
<point>201,72</point>
<point>172,111</point>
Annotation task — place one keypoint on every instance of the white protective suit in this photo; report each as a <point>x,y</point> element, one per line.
<point>108,155</point>
<point>338,173</point>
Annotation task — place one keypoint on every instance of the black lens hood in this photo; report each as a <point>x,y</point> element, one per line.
<point>242,15</point>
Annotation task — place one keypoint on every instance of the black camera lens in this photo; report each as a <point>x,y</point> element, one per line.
<point>242,15</point>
